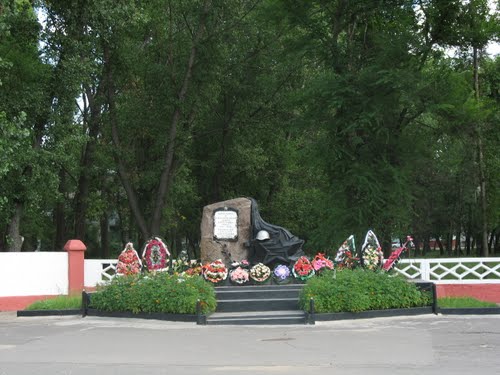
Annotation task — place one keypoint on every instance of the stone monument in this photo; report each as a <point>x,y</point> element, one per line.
<point>226,230</point>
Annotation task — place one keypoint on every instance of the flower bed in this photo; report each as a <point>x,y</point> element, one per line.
<point>155,293</point>
<point>360,290</point>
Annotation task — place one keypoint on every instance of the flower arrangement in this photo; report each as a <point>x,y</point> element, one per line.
<point>396,254</point>
<point>180,265</point>
<point>239,276</point>
<point>303,269</point>
<point>320,263</point>
<point>215,272</point>
<point>193,271</point>
<point>260,273</point>
<point>345,255</point>
<point>194,268</point>
<point>243,264</point>
<point>155,254</point>
<point>281,274</point>
<point>128,261</point>
<point>372,252</point>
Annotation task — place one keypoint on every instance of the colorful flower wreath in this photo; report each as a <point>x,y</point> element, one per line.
<point>303,269</point>
<point>281,272</point>
<point>194,268</point>
<point>155,255</point>
<point>372,252</point>
<point>215,272</point>
<point>239,276</point>
<point>128,261</point>
<point>345,257</point>
<point>260,273</point>
<point>320,263</point>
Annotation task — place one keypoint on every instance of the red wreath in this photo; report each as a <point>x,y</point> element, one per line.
<point>155,254</point>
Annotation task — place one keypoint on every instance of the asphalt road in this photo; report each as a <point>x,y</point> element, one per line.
<point>414,345</point>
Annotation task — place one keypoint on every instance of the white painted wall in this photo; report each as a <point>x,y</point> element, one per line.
<point>33,273</point>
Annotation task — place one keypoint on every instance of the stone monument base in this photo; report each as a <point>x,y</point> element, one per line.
<point>224,234</point>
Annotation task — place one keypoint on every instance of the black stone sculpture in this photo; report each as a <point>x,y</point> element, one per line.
<point>279,247</point>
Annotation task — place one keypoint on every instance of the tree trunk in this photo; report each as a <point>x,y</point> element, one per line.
<point>440,245</point>
<point>87,162</point>
<point>59,217</point>
<point>482,195</point>
<point>427,245</point>
<point>496,247</point>
<point>122,172</point>
<point>458,244</point>
<point>449,241</point>
<point>417,244</point>
<point>481,166</point>
<point>220,168</point>
<point>104,235</point>
<point>490,243</point>
<point>167,172</point>
<point>14,238</point>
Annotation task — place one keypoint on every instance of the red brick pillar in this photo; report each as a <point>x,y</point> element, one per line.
<point>76,251</point>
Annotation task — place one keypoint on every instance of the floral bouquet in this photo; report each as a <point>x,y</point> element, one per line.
<point>239,276</point>
<point>215,272</point>
<point>345,255</point>
<point>128,261</point>
<point>303,269</point>
<point>243,264</point>
<point>395,256</point>
<point>155,254</point>
<point>260,273</point>
<point>281,274</point>
<point>194,268</point>
<point>372,252</point>
<point>320,263</point>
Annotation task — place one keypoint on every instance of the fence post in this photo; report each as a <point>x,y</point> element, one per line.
<point>76,263</point>
<point>200,318</point>
<point>311,319</point>
<point>85,303</point>
<point>425,270</point>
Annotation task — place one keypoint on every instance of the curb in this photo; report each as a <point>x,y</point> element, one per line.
<point>22,313</point>
<point>469,311</point>
<point>158,316</point>
<point>373,314</point>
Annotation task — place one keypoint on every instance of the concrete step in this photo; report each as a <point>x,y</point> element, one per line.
<point>266,287</point>
<point>238,293</point>
<point>258,318</point>
<point>257,304</point>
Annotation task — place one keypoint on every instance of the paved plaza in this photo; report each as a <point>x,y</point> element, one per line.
<point>405,345</point>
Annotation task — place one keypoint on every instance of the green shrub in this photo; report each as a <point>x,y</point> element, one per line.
<point>360,290</point>
<point>57,303</point>
<point>158,292</point>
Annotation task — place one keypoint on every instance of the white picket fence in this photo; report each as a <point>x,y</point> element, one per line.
<point>452,270</point>
<point>439,271</point>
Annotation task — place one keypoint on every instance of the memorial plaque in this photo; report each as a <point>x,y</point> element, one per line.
<point>225,231</point>
<point>226,225</point>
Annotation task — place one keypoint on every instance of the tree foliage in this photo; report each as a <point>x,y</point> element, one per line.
<point>122,120</point>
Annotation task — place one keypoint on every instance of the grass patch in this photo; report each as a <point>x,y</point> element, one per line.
<point>360,290</point>
<point>151,293</point>
<point>57,303</point>
<point>463,302</point>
